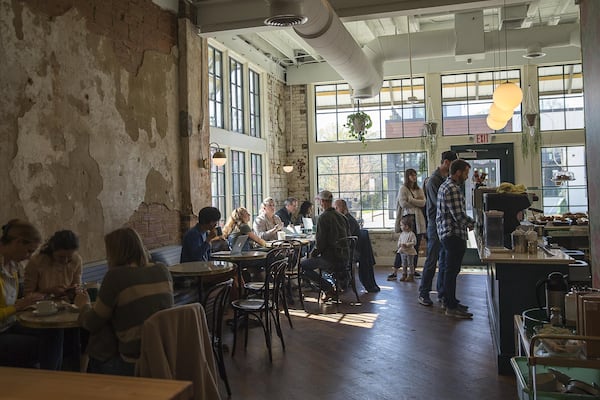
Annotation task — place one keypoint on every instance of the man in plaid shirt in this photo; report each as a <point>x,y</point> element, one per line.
<point>452,224</point>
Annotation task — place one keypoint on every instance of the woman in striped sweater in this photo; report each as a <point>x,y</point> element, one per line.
<point>132,290</point>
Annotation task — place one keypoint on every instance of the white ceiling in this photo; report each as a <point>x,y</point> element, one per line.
<point>239,25</point>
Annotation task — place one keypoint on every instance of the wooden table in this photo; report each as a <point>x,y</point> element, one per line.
<point>21,383</point>
<point>239,259</point>
<point>202,269</point>
<point>66,317</point>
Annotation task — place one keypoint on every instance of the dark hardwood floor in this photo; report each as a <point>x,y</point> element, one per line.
<point>388,347</point>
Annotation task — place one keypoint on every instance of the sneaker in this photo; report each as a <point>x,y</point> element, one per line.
<point>459,306</point>
<point>458,313</point>
<point>403,278</point>
<point>426,301</point>
<point>392,277</point>
<point>410,278</point>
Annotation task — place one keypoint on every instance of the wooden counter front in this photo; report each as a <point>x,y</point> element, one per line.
<point>22,383</point>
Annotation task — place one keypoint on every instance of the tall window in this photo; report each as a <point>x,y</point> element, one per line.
<point>561,97</point>
<point>256,178</point>
<point>238,179</point>
<point>215,86</point>
<point>217,181</point>
<point>254,89</point>
<point>369,182</point>
<point>392,115</point>
<point>560,197</point>
<point>466,101</point>
<point>236,89</point>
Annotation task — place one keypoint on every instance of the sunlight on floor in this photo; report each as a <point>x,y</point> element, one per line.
<point>360,320</point>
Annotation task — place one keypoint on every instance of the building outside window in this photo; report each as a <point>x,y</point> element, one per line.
<point>236,95</point>
<point>256,178</point>
<point>561,97</point>
<point>238,179</point>
<point>562,196</point>
<point>254,90</point>
<point>369,182</point>
<point>217,180</point>
<point>466,101</point>
<point>392,115</point>
<point>215,86</point>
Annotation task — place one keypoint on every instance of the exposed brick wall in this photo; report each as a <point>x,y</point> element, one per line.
<point>133,26</point>
<point>298,179</point>
<point>157,225</point>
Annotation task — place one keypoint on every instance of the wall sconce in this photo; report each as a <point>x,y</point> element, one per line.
<point>288,168</point>
<point>219,158</point>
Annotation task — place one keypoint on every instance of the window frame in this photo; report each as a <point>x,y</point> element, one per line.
<point>215,80</point>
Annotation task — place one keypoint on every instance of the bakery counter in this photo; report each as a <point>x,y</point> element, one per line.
<point>511,283</point>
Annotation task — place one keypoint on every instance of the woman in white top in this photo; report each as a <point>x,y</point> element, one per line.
<point>267,224</point>
<point>412,200</point>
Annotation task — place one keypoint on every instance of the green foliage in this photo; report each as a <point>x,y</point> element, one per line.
<point>357,124</point>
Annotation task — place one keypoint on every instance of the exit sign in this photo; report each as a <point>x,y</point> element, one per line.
<point>482,138</point>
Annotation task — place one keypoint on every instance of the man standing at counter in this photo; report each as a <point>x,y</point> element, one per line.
<point>432,185</point>
<point>452,224</point>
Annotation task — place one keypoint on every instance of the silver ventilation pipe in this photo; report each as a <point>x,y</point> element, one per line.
<point>325,33</point>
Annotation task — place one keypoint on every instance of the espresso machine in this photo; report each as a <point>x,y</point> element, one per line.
<point>512,205</point>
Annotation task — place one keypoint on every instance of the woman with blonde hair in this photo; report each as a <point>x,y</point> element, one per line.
<point>267,224</point>
<point>132,290</point>
<point>19,347</point>
<point>237,225</point>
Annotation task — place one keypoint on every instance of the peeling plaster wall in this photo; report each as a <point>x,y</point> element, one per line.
<point>88,125</point>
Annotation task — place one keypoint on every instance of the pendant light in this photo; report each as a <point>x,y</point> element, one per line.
<point>412,99</point>
<point>507,95</point>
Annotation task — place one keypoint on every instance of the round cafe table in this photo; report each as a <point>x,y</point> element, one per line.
<point>239,259</point>
<point>66,317</point>
<point>201,269</point>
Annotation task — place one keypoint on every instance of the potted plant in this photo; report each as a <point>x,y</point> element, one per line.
<point>357,124</point>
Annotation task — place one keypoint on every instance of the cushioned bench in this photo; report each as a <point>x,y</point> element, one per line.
<point>185,289</point>
<point>94,271</point>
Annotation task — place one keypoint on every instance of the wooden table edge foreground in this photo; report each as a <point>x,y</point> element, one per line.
<point>23,383</point>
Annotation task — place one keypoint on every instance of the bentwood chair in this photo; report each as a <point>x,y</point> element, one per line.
<point>345,269</point>
<point>264,309</point>
<point>215,303</point>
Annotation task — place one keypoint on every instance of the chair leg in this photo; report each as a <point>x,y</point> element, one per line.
<point>218,352</point>
<point>286,310</point>
<point>353,283</point>
<point>300,295</point>
<point>235,328</point>
<point>246,322</point>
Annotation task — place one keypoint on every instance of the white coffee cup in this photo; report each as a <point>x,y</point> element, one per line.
<point>281,235</point>
<point>46,307</point>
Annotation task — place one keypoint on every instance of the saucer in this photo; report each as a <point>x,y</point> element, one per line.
<point>37,313</point>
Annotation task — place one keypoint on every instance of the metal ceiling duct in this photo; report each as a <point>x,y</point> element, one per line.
<point>285,13</point>
<point>325,33</point>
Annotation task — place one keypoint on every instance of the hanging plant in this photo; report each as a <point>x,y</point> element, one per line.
<point>357,124</point>
<point>531,137</point>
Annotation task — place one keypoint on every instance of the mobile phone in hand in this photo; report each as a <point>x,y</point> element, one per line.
<point>219,231</point>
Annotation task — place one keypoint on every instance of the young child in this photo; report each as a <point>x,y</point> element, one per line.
<point>406,252</point>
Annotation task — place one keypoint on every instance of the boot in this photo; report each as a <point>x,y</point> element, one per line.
<point>404,277</point>
<point>410,278</point>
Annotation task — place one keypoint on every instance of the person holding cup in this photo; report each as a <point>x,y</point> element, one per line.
<point>56,269</point>
<point>196,243</point>
<point>19,347</point>
<point>237,225</point>
<point>132,290</point>
<point>267,223</point>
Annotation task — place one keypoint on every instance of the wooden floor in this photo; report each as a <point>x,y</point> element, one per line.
<point>388,347</point>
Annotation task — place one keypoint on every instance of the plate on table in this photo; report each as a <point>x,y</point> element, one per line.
<point>37,313</point>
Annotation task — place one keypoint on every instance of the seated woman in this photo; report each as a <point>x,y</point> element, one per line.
<point>18,345</point>
<point>132,290</point>
<point>267,224</point>
<point>237,225</point>
<point>56,269</point>
<point>306,210</point>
